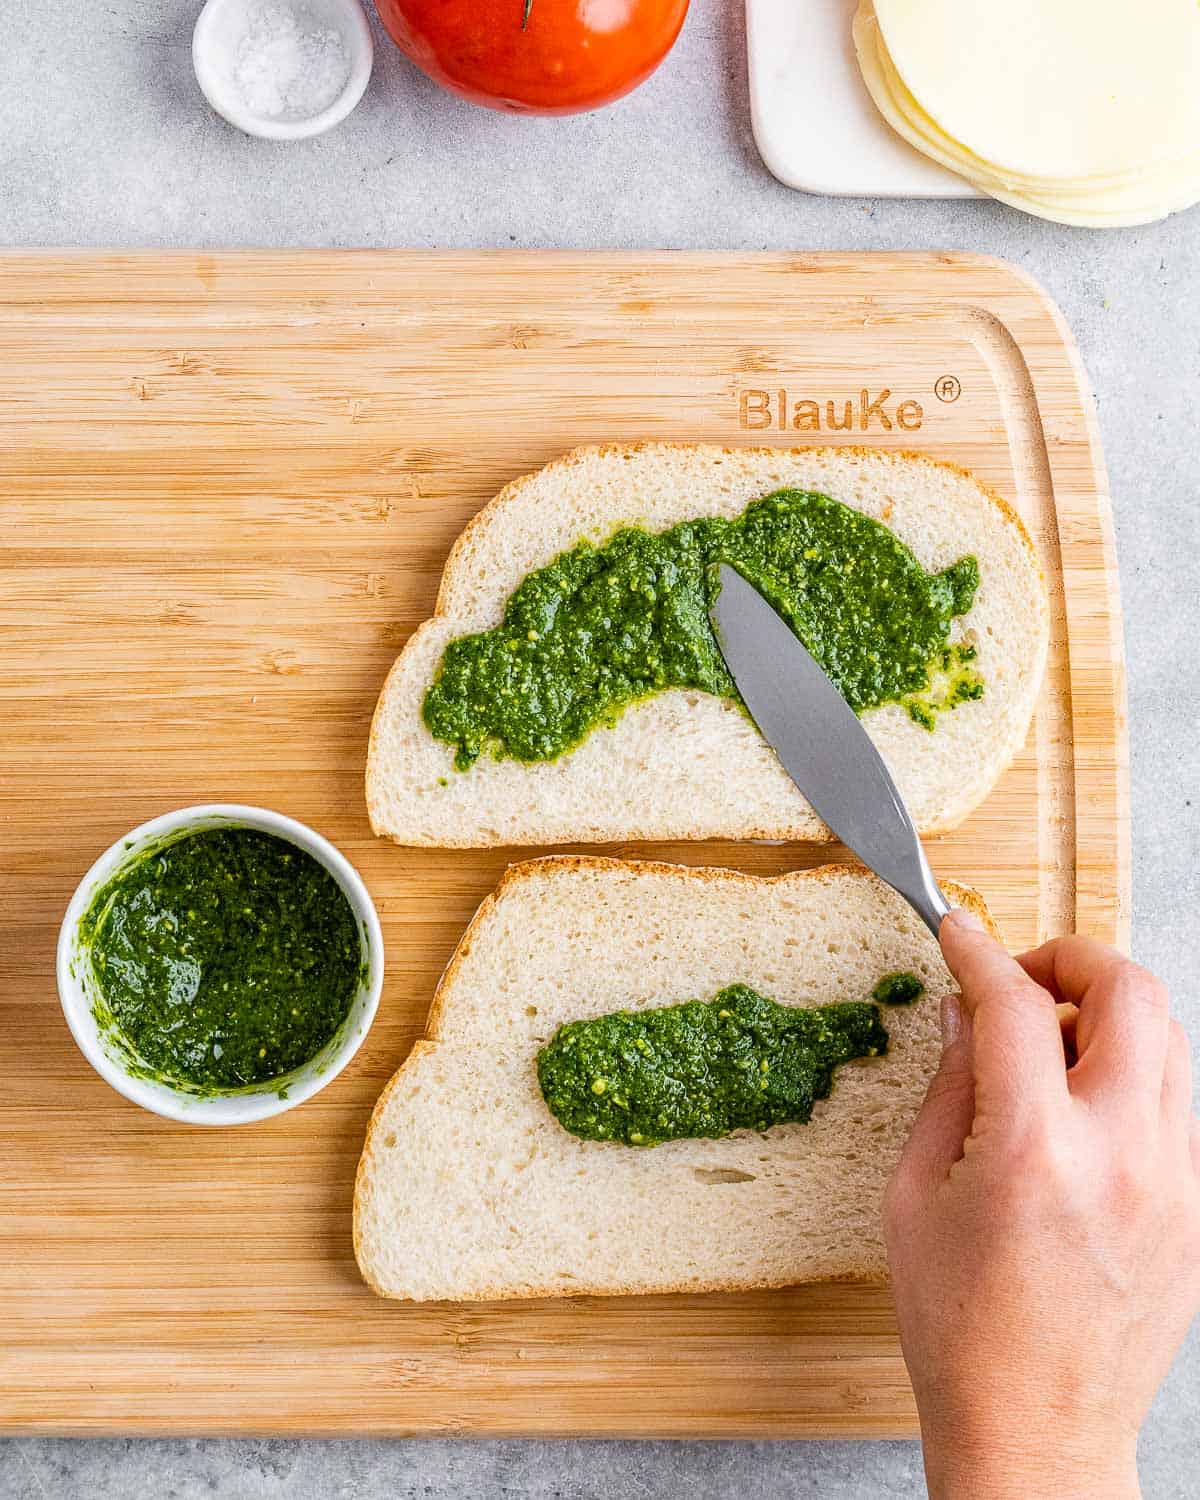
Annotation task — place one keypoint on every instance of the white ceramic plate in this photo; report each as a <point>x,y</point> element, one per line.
<point>814,121</point>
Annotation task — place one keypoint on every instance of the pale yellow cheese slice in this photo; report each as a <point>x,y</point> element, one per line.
<point>1111,195</point>
<point>898,98</point>
<point>1062,89</point>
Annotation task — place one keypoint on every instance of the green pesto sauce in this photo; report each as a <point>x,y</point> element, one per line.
<point>706,1068</point>
<point>898,989</point>
<point>601,627</point>
<point>224,958</point>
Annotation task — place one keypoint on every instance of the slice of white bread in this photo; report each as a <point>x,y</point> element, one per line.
<point>469,1188</point>
<point>684,764</point>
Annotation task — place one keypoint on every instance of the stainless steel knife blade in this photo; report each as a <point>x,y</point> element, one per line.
<point>821,743</point>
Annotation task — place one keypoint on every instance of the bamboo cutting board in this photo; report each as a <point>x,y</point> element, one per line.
<point>229,484</point>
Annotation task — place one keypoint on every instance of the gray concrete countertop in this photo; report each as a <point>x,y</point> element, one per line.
<point>105,141</point>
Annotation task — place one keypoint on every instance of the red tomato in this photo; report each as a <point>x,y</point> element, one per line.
<point>546,57</point>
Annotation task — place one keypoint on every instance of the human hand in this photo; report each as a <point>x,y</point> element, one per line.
<point>1043,1224</point>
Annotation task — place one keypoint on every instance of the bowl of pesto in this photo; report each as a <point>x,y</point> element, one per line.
<point>220,964</point>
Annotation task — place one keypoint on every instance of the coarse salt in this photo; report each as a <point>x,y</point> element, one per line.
<point>286,65</point>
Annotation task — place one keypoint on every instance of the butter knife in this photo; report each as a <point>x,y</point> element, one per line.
<point>821,743</point>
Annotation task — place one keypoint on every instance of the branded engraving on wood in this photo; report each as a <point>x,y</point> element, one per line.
<point>869,411</point>
<point>947,388</point>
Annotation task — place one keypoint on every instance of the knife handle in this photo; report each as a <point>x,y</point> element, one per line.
<point>925,896</point>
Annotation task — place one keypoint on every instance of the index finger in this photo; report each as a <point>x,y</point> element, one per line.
<point>1018,1048</point>
<point>1124,1016</point>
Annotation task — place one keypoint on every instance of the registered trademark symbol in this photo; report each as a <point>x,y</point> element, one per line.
<point>947,388</point>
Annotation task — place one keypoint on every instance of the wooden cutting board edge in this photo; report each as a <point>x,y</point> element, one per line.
<point>1099,713</point>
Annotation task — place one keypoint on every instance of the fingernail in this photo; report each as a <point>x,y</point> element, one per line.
<point>952,1021</point>
<point>965,920</point>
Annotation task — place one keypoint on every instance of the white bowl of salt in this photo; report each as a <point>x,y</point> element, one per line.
<point>283,69</point>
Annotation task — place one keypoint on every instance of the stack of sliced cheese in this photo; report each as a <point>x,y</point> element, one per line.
<point>1081,111</point>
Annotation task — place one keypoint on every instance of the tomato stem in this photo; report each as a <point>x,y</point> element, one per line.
<point>525,14</point>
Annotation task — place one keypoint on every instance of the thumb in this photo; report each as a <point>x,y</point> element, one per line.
<point>1017,1039</point>
<point>948,1111</point>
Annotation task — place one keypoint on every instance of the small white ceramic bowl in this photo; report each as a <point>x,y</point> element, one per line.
<point>220,31</point>
<point>104,1047</point>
